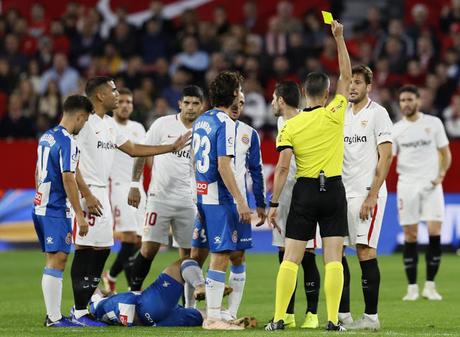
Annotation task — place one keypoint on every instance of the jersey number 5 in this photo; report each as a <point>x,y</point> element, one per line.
<point>204,144</point>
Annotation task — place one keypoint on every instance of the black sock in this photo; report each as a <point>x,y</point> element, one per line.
<point>129,264</point>
<point>122,258</point>
<point>97,267</point>
<point>290,308</point>
<point>370,282</point>
<point>80,275</point>
<point>139,271</point>
<point>410,257</point>
<point>345,300</point>
<point>433,257</point>
<point>311,281</point>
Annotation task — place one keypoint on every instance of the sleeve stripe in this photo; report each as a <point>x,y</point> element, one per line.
<point>284,147</point>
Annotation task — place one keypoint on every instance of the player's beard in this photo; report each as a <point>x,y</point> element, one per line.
<point>411,112</point>
<point>358,99</point>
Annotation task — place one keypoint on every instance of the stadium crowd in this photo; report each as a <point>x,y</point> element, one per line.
<point>43,59</point>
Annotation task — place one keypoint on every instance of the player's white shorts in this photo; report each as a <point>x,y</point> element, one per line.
<point>278,238</point>
<point>161,216</point>
<point>100,232</point>
<point>420,202</point>
<point>126,217</point>
<point>365,232</point>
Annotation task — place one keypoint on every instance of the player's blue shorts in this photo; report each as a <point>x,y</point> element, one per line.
<point>54,234</point>
<point>216,228</point>
<point>159,299</point>
<point>181,316</point>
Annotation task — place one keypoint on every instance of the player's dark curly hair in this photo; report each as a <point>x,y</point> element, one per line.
<point>223,89</point>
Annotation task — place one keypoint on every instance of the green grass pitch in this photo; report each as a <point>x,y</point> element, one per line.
<point>22,309</point>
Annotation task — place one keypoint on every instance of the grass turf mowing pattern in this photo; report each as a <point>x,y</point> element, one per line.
<point>22,309</point>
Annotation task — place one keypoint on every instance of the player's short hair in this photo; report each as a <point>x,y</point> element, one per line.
<point>193,91</point>
<point>125,91</point>
<point>290,92</point>
<point>222,88</point>
<point>316,84</point>
<point>409,88</point>
<point>365,71</point>
<point>75,103</point>
<point>95,83</point>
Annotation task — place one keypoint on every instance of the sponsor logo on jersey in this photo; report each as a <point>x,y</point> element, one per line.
<point>182,154</point>
<point>364,123</point>
<point>337,107</point>
<point>235,236</point>
<point>106,145</point>
<point>48,139</point>
<point>201,187</point>
<point>38,199</point>
<point>354,139</point>
<point>245,139</point>
<point>124,320</point>
<point>416,144</point>
<point>384,133</point>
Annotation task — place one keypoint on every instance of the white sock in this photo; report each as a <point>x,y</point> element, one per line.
<point>343,315</point>
<point>236,281</point>
<point>189,298</point>
<point>215,286</point>
<point>52,292</point>
<point>80,313</point>
<point>373,317</point>
<point>191,272</point>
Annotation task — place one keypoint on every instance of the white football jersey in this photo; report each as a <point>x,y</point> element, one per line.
<point>416,144</point>
<point>363,132</point>
<point>286,193</point>
<point>98,142</point>
<point>172,177</point>
<point>123,164</point>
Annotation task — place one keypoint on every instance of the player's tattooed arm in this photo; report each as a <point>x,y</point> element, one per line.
<point>93,204</point>
<point>381,172</point>
<point>71,190</point>
<point>134,196</point>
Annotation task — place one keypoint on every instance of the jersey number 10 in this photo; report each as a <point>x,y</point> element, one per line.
<point>204,144</point>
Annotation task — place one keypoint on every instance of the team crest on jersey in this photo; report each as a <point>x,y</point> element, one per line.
<point>68,238</point>
<point>235,236</point>
<point>364,123</point>
<point>245,139</point>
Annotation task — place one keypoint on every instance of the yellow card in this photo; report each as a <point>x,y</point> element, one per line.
<point>327,17</point>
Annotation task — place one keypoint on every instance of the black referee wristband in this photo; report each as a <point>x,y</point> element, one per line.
<point>274,204</point>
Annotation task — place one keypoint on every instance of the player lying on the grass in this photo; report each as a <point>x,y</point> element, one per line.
<point>157,304</point>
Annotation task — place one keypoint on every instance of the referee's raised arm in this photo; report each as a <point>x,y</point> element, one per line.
<point>344,81</point>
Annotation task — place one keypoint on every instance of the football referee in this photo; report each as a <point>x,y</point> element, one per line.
<point>315,137</point>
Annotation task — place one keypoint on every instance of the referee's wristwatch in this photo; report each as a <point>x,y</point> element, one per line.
<point>274,204</point>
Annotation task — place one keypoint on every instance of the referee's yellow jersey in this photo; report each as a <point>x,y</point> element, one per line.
<point>316,138</point>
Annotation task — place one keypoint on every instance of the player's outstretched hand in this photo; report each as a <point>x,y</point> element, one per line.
<point>337,29</point>
<point>182,141</point>
<point>134,197</point>
<point>94,205</point>
<point>272,215</point>
<point>82,225</point>
<point>262,214</point>
<point>368,207</point>
<point>244,212</point>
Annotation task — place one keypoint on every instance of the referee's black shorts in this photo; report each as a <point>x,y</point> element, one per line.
<point>309,206</point>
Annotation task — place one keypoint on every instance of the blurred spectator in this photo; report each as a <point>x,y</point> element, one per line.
<point>11,52</point>
<point>328,57</point>
<point>396,30</point>
<point>451,116</point>
<point>275,38</point>
<point>297,51</point>
<point>38,25</point>
<point>208,37</point>
<point>33,73</point>
<point>421,25</point>
<point>287,21</point>
<point>395,55</point>
<point>15,124</point>
<point>414,73</point>
<point>43,123</point>
<point>160,108</point>
<point>449,15</point>
<point>446,87</point>
<point>154,44</point>
<point>61,43</point>
<point>427,96</point>
<point>425,53</point>
<point>252,21</point>
<point>111,63</point>
<point>124,39</point>
<point>191,57</point>
<point>220,20</point>
<point>173,92</point>
<point>66,76</point>
<point>133,75</point>
<point>8,79</point>
<point>385,98</point>
<point>50,104</point>
<point>255,106</point>
<point>87,43</point>
<point>314,32</point>
<point>373,22</point>
<point>281,72</point>
<point>29,97</point>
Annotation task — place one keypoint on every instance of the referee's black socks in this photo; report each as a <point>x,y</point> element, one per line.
<point>345,300</point>
<point>433,257</point>
<point>80,275</point>
<point>311,281</point>
<point>370,281</point>
<point>410,257</point>
<point>139,271</point>
<point>290,308</point>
